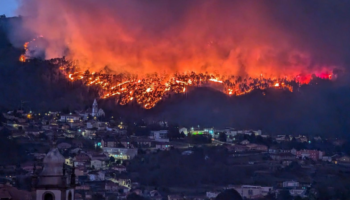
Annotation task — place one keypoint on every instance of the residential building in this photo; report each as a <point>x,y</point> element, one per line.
<point>71,118</point>
<point>183,130</point>
<point>33,131</point>
<point>90,133</point>
<point>252,191</point>
<point>119,168</point>
<point>301,138</point>
<point>290,184</point>
<point>12,193</point>
<point>201,131</point>
<point>298,192</point>
<point>111,186</point>
<point>143,142</point>
<point>312,154</point>
<point>82,159</point>
<point>120,153</point>
<point>160,136</point>
<point>237,148</point>
<point>109,142</point>
<point>283,156</point>
<point>162,145</point>
<point>257,147</point>
<point>212,194</point>
<point>98,164</point>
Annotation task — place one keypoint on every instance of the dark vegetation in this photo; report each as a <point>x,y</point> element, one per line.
<point>229,195</point>
<point>10,149</point>
<point>320,108</point>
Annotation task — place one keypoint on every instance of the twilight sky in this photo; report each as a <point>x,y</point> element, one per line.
<point>8,7</point>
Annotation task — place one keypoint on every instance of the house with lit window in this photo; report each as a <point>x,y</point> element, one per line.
<point>90,133</point>
<point>203,131</point>
<point>163,145</point>
<point>312,154</point>
<point>120,153</point>
<point>70,118</point>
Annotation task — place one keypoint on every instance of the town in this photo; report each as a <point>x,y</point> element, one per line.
<point>104,157</point>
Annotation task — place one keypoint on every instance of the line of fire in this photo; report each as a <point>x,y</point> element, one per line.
<point>148,91</point>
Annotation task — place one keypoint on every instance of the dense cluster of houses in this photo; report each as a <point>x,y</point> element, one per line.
<point>100,166</point>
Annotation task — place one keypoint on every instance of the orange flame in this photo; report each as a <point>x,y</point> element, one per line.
<point>22,58</point>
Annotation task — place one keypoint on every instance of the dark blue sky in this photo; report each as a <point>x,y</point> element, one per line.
<point>8,7</point>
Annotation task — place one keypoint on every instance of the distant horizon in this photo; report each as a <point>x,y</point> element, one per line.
<point>8,8</point>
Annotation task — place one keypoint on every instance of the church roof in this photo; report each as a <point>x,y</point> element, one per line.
<point>53,169</point>
<point>53,163</point>
<point>95,102</point>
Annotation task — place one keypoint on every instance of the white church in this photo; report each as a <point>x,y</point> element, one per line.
<point>94,111</point>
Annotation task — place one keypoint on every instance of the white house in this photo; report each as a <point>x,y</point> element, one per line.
<point>160,136</point>
<point>183,130</point>
<point>297,192</point>
<point>212,194</point>
<point>290,184</point>
<point>98,164</point>
<point>120,153</point>
<point>252,191</point>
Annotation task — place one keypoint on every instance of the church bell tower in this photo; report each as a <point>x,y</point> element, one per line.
<point>94,109</point>
<point>53,183</point>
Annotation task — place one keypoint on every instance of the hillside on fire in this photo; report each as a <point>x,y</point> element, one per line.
<point>319,108</point>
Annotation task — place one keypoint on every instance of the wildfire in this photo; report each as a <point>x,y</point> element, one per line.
<point>215,80</point>
<point>26,46</point>
<point>22,58</point>
<point>148,91</point>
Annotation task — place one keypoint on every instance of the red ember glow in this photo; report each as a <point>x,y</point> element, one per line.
<point>142,51</point>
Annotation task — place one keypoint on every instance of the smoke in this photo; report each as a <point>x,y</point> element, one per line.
<point>235,37</point>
